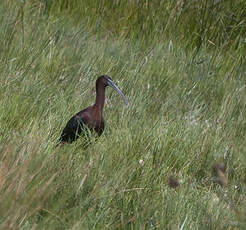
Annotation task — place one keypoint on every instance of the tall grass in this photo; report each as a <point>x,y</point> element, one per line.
<point>185,113</point>
<point>191,23</point>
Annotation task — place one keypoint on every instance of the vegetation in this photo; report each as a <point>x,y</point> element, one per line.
<point>185,83</point>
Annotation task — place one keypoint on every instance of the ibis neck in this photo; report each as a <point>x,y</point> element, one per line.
<point>100,97</point>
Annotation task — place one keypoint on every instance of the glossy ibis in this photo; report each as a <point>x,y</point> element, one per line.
<point>92,117</point>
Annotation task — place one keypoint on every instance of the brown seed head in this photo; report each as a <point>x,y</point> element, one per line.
<point>219,171</point>
<point>173,182</point>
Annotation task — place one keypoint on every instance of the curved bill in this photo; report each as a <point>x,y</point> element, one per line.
<point>110,83</point>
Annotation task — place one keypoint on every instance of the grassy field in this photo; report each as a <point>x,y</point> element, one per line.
<point>186,113</point>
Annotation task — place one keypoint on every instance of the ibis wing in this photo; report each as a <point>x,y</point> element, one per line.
<point>72,129</point>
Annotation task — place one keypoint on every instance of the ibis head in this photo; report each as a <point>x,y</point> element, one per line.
<point>107,81</point>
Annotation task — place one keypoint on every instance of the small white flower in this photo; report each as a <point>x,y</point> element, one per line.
<point>141,162</point>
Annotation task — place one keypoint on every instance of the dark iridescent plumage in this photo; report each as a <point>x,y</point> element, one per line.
<point>92,117</point>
